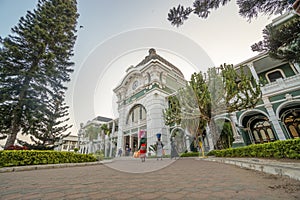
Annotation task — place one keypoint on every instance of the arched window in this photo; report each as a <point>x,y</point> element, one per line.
<point>291,119</point>
<point>273,75</point>
<point>261,129</point>
<point>270,133</point>
<point>255,133</point>
<point>149,77</point>
<point>161,76</point>
<point>136,114</point>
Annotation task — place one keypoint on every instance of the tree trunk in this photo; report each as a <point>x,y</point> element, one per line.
<point>12,136</point>
<point>213,132</point>
<point>17,113</point>
<point>15,124</point>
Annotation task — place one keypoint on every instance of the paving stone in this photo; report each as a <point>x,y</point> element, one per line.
<point>184,179</point>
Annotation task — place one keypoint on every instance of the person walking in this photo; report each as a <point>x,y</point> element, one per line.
<point>174,152</point>
<point>143,145</point>
<point>159,147</point>
<point>120,152</point>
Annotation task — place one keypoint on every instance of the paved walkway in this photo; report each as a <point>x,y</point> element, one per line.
<point>186,178</point>
<point>281,167</point>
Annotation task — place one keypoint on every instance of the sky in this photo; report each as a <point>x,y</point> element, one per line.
<point>118,33</point>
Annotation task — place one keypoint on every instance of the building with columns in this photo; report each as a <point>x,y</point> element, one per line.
<point>277,115</point>
<point>142,97</point>
<point>143,93</point>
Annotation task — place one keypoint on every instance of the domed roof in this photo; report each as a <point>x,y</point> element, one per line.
<point>152,56</point>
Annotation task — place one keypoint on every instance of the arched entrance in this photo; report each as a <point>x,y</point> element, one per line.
<point>135,122</point>
<point>178,139</point>
<point>291,119</point>
<point>261,129</point>
<point>226,134</point>
<point>258,126</point>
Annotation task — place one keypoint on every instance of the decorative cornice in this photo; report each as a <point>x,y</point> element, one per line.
<point>153,56</point>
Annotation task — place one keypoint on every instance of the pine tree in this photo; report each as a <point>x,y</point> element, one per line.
<point>34,65</point>
<point>46,134</point>
<point>247,8</point>
<point>281,41</point>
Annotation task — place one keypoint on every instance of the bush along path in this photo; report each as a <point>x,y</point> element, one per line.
<point>279,149</point>
<point>9,158</point>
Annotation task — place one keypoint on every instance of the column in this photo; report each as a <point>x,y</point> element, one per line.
<point>238,139</point>
<point>297,67</point>
<point>187,140</point>
<point>122,118</point>
<point>111,138</point>
<point>273,118</point>
<point>130,144</point>
<point>253,72</point>
<point>155,122</point>
<point>209,138</point>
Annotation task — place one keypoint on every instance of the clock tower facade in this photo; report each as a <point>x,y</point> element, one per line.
<point>142,97</point>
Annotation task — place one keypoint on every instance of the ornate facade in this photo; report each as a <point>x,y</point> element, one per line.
<point>142,98</point>
<point>277,115</point>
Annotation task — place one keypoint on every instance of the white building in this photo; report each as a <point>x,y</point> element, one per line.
<point>68,143</point>
<point>142,97</point>
<point>91,137</point>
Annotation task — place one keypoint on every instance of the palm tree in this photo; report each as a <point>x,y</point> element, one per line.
<point>105,129</point>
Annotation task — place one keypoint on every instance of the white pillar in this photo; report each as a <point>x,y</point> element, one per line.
<point>107,147</point>
<point>253,72</point>
<point>209,137</point>
<point>273,118</point>
<point>111,134</point>
<point>187,140</point>
<point>155,122</point>
<point>238,139</point>
<point>122,118</point>
<point>297,67</point>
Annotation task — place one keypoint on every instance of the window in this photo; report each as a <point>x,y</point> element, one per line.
<point>291,119</point>
<point>261,130</point>
<point>132,116</point>
<point>137,113</point>
<point>272,76</point>
<point>149,77</point>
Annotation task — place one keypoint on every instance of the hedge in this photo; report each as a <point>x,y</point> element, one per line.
<point>278,149</point>
<point>190,154</point>
<point>33,157</point>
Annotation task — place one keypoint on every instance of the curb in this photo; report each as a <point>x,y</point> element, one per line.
<point>50,166</point>
<point>289,169</point>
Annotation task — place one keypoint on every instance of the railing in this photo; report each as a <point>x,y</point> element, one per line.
<point>281,84</point>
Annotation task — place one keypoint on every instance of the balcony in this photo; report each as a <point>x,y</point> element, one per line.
<point>281,84</point>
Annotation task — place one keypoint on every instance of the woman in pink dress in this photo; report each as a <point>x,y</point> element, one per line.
<point>143,145</point>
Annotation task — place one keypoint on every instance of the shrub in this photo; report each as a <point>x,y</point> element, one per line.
<point>190,154</point>
<point>34,157</point>
<point>278,149</point>
<point>99,155</point>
